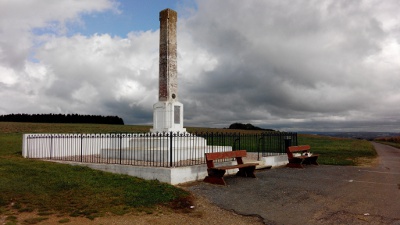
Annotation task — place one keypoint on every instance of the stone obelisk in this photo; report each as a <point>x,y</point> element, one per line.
<point>168,112</point>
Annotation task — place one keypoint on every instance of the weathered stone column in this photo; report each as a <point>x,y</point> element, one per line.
<point>168,74</point>
<point>168,112</point>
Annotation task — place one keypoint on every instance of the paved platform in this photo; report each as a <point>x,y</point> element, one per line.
<point>176,175</point>
<point>317,194</point>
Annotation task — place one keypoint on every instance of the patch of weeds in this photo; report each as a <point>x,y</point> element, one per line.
<point>26,209</point>
<point>45,213</point>
<point>11,219</point>
<point>11,223</point>
<point>3,210</point>
<point>6,211</point>
<point>120,210</point>
<point>88,213</point>
<point>75,213</point>
<point>182,204</point>
<point>146,210</point>
<point>91,217</point>
<point>44,209</point>
<point>16,205</point>
<point>35,220</point>
<point>3,202</point>
<point>65,220</point>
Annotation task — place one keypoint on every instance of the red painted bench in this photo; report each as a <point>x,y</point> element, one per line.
<point>305,156</point>
<point>215,174</point>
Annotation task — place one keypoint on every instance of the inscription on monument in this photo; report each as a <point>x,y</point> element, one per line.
<point>177,114</point>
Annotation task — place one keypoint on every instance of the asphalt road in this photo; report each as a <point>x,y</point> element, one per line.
<point>316,194</point>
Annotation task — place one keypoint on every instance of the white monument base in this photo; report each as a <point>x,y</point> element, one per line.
<point>160,155</point>
<point>168,117</point>
<point>158,149</point>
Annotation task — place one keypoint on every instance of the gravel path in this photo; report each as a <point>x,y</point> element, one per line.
<point>316,194</point>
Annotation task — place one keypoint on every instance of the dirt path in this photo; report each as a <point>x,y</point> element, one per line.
<point>203,212</point>
<point>317,194</point>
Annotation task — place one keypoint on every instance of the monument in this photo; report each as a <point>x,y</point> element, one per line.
<point>167,141</point>
<point>168,111</point>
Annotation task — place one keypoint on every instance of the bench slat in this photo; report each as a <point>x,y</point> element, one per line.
<point>299,148</point>
<point>306,156</point>
<point>234,166</point>
<point>225,155</point>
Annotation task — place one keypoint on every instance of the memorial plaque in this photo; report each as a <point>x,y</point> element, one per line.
<point>177,114</point>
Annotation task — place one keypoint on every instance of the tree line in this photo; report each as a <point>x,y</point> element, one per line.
<point>241,126</point>
<point>61,118</point>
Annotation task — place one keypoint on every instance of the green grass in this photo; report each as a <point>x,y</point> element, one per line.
<point>28,185</point>
<point>393,144</point>
<point>339,151</point>
<point>332,150</point>
<point>391,141</point>
<point>76,190</point>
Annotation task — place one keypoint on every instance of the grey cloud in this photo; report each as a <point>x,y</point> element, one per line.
<point>287,65</point>
<point>291,60</point>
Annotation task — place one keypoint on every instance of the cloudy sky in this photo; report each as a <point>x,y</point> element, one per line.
<point>317,65</point>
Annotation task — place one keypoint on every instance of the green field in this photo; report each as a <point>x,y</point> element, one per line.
<point>32,185</point>
<point>339,151</point>
<point>46,187</point>
<point>392,141</point>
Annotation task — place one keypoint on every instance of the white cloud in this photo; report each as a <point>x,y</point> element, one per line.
<point>8,76</point>
<point>24,26</point>
<point>326,64</point>
<point>100,69</point>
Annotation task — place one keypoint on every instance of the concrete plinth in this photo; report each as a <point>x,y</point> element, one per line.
<point>158,149</point>
<point>154,143</point>
<point>168,117</point>
<point>161,155</point>
<point>175,175</point>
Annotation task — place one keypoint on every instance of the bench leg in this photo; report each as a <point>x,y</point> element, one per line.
<point>246,172</point>
<point>311,160</point>
<point>295,163</point>
<point>314,160</point>
<point>215,177</point>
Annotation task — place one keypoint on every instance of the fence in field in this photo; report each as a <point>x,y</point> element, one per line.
<point>151,149</point>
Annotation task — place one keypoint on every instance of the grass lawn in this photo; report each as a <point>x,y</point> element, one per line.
<point>46,187</point>
<point>32,185</point>
<point>339,151</point>
<point>391,141</point>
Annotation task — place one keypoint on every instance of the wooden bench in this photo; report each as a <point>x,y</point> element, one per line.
<point>305,156</point>
<point>215,174</point>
